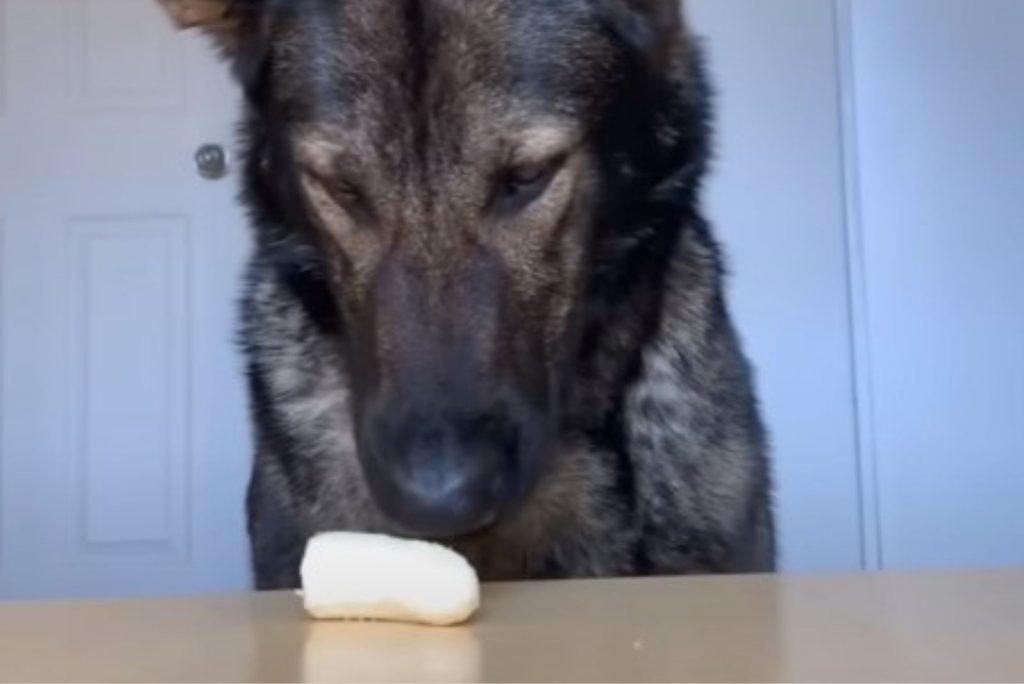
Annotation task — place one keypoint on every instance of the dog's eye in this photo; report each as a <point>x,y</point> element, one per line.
<point>342,191</point>
<point>520,185</point>
<point>346,194</point>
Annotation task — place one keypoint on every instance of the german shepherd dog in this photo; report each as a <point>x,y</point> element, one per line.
<point>483,306</point>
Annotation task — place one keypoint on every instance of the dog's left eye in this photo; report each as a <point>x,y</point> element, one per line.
<point>520,185</point>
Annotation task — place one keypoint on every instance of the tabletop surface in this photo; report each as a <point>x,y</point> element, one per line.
<point>880,627</point>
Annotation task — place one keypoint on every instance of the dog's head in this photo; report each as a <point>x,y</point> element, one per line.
<point>454,173</point>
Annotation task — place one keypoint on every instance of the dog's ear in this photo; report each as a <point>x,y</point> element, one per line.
<point>655,27</point>
<point>227,21</point>
<point>237,27</point>
<point>217,17</point>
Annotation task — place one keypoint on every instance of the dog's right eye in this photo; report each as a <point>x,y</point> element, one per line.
<point>348,196</point>
<point>340,190</point>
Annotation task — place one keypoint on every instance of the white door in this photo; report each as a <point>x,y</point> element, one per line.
<point>124,440</point>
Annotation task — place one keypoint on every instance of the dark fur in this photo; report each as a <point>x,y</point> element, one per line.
<point>661,461</point>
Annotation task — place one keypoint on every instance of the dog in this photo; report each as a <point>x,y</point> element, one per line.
<point>483,306</point>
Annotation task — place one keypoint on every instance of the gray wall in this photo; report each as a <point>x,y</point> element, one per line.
<point>870,195</point>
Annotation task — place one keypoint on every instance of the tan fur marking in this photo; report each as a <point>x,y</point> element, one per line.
<point>543,142</point>
<point>192,13</point>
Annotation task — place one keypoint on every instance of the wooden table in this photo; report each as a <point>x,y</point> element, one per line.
<point>935,627</point>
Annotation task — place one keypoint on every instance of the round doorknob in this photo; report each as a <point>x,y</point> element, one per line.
<point>212,162</point>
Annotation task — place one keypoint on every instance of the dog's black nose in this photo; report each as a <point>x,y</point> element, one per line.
<point>441,478</point>
<point>443,493</point>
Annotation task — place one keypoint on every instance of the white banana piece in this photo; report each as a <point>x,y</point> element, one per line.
<point>356,576</point>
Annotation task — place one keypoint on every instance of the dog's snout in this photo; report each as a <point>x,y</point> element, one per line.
<point>441,475</point>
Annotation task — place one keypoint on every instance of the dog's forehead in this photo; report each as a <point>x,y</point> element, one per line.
<point>382,54</point>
